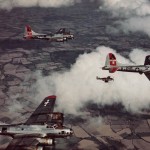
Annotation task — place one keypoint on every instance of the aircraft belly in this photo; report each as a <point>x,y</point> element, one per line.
<point>127,70</point>
<point>138,69</point>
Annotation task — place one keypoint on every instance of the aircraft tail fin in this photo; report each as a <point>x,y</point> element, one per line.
<point>147,74</point>
<point>111,62</point>
<point>147,60</point>
<point>28,32</point>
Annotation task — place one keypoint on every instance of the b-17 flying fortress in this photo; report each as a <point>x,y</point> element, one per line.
<point>40,130</point>
<point>112,65</point>
<point>44,125</point>
<point>60,36</point>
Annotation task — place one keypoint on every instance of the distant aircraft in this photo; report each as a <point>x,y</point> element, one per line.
<point>65,33</point>
<point>105,79</point>
<point>40,130</point>
<point>59,36</point>
<point>112,65</point>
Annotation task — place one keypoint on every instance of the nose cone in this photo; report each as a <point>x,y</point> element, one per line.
<point>104,68</point>
<point>72,36</point>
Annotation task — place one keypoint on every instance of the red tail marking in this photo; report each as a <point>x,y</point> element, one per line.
<point>112,56</point>
<point>29,31</point>
<point>112,70</point>
<point>28,28</point>
<point>112,59</point>
<point>51,97</point>
<point>113,63</point>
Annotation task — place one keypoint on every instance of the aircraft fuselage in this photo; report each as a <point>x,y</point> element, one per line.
<point>68,36</point>
<point>139,69</point>
<point>57,38</point>
<point>35,131</point>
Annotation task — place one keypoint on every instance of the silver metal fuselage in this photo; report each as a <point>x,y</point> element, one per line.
<point>68,36</point>
<point>55,37</point>
<point>139,69</point>
<point>35,131</point>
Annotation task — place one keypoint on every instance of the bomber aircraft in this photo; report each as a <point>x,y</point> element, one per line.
<point>40,130</point>
<point>112,65</point>
<point>60,36</point>
<point>105,79</point>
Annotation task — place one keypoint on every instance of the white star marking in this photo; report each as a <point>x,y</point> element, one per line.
<point>45,104</point>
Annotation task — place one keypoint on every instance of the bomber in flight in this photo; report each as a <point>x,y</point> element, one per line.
<point>112,65</point>
<point>40,130</point>
<point>60,36</point>
<point>105,79</point>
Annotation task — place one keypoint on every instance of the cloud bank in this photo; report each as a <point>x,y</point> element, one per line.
<point>136,14</point>
<point>9,4</point>
<point>75,87</point>
<point>136,24</point>
<point>128,7</point>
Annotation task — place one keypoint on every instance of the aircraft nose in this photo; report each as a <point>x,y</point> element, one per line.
<point>72,36</point>
<point>103,68</point>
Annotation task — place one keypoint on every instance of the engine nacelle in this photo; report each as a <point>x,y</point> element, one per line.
<point>39,148</point>
<point>60,40</point>
<point>46,141</point>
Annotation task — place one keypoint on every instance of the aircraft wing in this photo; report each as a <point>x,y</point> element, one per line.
<point>40,115</point>
<point>22,143</point>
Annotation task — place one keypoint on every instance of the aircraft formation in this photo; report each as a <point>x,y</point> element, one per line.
<point>45,125</point>
<point>111,63</point>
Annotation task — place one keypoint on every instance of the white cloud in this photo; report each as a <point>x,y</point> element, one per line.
<point>135,24</point>
<point>127,7</point>
<point>75,87</point>
<point>9,4</point>
<point>135,12</point>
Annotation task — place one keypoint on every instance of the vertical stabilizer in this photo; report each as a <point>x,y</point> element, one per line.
<point>147,74</point>
<point>111,62</point>
<point>147,60</point>
<point>29,32</point>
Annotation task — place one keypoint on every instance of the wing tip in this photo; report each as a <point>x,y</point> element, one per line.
<point>51,97</point>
